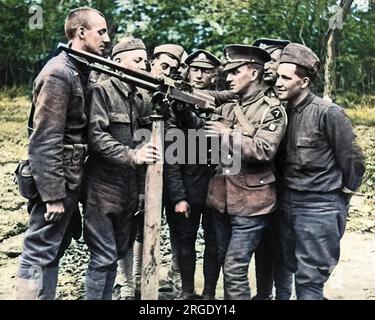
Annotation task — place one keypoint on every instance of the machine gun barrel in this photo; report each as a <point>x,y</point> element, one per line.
<point>174,90</point>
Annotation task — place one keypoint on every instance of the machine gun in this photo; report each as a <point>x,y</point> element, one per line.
<point>169,89</point>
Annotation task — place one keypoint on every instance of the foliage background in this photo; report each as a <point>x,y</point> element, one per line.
<point>209,24</point>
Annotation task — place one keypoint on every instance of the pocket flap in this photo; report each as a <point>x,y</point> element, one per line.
<point>305,142</point>
<point>260,179</point>
<point>119,117</point>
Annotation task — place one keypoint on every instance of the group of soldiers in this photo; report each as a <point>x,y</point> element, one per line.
<point>287,204</point>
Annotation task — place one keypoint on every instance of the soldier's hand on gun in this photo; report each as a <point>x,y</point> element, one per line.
<point>147,154</point>
<point>55,210</point>
<point>216,129</point>
<point>182,207</point>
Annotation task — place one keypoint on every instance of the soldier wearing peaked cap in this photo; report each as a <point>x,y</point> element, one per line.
<point>202,69</point>
<point>114,180</point>
<point>320,166</point>
<point>269,266</point>
<point>274,47</point>
<point>243,199</point>
<point>187,185</point>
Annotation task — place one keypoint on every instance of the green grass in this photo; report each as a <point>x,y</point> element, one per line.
<point>362,115</point>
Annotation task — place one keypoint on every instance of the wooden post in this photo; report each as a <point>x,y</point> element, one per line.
<point>329,69</point>
<point>152,219</point>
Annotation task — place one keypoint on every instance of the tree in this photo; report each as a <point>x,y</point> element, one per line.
<point>336,22</point>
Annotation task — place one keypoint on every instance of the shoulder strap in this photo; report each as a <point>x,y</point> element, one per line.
<point>243,121</point>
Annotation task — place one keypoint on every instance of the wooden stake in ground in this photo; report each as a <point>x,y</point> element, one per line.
<point>152,219</point>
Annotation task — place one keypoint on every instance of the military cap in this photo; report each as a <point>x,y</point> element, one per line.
<point>202,59</point>
<point>270,45</point>
<point>128,44</point>
<point>301,55</point>
<point>239,54</point>
<point>174,49</point>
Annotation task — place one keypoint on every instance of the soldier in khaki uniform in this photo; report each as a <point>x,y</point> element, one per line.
<point>243,201</point>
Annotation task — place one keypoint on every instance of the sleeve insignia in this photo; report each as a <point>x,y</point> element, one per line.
<point>272,127</point>
<point>277,113</point>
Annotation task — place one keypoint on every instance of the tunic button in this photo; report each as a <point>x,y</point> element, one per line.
<point>227,171</point>
<point>229,156</point>
<point>261,181</point>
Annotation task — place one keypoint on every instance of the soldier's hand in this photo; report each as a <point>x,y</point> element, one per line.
<point>216,128</point>
<point>182,207</point>
<point>55,210</point>
<point>147,154</point>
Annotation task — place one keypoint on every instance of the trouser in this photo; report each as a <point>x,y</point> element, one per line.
<point>311,226</point>
<point>173,235</point>
<point>107,232</point>
<point>46,242</point>
<point>238,237</point>
<point>270,267</point>
<point>186,230</point>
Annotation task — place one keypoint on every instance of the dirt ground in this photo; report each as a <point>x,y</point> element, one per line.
<point>354,277</point>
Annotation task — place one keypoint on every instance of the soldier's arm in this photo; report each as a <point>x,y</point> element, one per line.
<point>100,139</point>
<point>193,120</point>
<point>348,153</point>
<point>51,98</point>
<point>173,173</point>
<point>223,96</point>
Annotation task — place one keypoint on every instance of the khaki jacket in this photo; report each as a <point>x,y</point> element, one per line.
<point>252,191</point>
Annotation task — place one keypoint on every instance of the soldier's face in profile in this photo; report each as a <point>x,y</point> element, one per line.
<point>133,59</point>
<point>270,67</point>
<point>240,79</point>
<point>96,34</point>
<point>201,78</point>
<point>163,65</point>
<point>289,86</point>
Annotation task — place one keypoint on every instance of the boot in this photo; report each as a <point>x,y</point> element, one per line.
<point>26,289</point>
<point>125,276</point>
<point>95,284</point>
<point>49,283</point>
